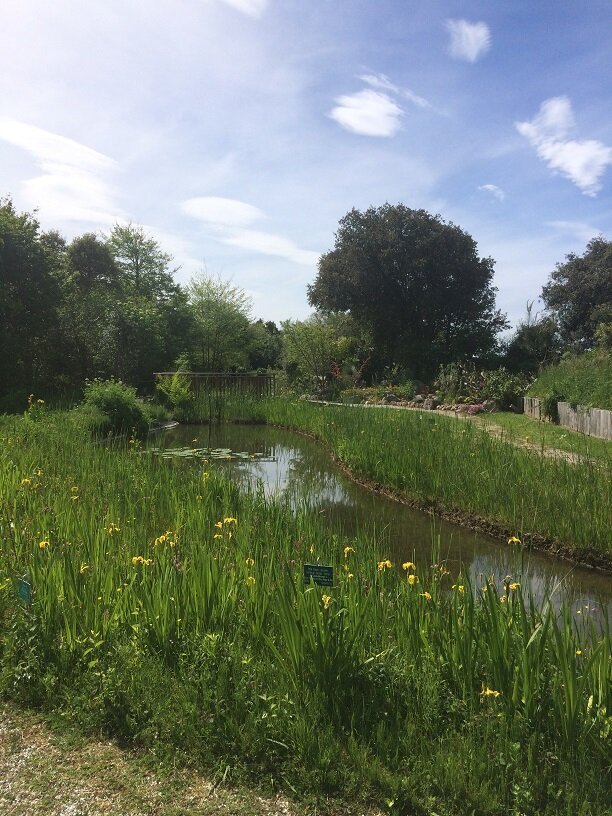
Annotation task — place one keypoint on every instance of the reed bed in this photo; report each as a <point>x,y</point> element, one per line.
<point>169,610</point>
<point>451,463</point>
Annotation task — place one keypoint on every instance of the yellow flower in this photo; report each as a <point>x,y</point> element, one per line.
<point>44,544</point>
<point>138,559</point>
<point>384,565</point>
<point>230,520</point>
<point>426,595</point>
<point>74,498</point>
<point>349,576</point>
<point>408,565</point>
<point>74,489</point>
<point>312,549</point>
<point>413,579</point>
<point>578,651</point>
<point>514,586</point>
<point>326,600</point>
<point>347,551</point>
<point>514,540</point>
<point>219,524</point>
<point>250,581</point>
<point>40,402</point>
<point>488,692</point>
<point>113,528</point>
<point>217,535</point>
<point>458,587</point>
<point>26,482</point>
<point>83,568</point>
<point>249,562</point>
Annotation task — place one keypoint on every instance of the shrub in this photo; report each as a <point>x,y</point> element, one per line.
<point>463,382</point>
<point>112,408</point>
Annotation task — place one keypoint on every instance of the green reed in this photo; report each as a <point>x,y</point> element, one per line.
<point>449,463</point>
<point>169,609</point>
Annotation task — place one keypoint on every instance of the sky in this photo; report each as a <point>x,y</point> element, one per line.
<point>239,132</point>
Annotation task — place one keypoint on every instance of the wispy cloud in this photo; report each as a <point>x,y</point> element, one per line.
<point>382,82</point>
<point>578,229</point>
<point>368,113</point>
<point>253,8</point>
<point>494,190</point>
<point>583,162</point>
<point>228,219</point>
<point>74,184</point>
<point>468,41</point>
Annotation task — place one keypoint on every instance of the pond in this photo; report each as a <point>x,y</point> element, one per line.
<point>288,465</point>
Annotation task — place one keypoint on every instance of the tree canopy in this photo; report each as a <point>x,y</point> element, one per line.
<point>415,283</point>
<point>579,294</point>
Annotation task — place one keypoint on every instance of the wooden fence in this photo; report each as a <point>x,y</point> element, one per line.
<point>590,421</point>
<point>253,385</point>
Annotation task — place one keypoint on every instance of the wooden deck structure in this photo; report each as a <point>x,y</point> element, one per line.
<point>224,383</point>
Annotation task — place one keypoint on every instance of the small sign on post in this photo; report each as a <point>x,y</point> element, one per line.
<point>318,574</point>
<point>24,590</point>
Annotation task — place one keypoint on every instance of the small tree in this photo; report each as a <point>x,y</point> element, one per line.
<point>220,313</point>
<point>317,350</point>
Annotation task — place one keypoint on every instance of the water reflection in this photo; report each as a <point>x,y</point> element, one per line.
<point>298,469</point>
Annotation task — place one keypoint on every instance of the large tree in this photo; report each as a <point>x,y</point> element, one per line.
<point>579,293</point>
<point>29,300</point>
<point>415,283</point>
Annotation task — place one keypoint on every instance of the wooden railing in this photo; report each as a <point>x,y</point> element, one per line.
<point>254,385</point>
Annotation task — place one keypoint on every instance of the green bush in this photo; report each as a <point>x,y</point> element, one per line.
<point>110,407</point>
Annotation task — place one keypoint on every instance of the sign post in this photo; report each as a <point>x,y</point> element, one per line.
<point>319,574</point>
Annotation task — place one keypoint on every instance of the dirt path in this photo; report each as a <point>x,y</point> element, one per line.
<point>43,773</point>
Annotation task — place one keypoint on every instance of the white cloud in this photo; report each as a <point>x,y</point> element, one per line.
<point>222,212</point>
<point>253,8</point>
<point>227,219</point>
<point>73,186</point>
<point>368,113</point>
<point>583,162</point>
<point>494,190</point>
<point>468,41</point>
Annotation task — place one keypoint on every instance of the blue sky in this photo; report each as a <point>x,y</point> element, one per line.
<point>239,132</point>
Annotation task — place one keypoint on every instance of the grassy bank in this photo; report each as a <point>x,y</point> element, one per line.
<point>169,611</point>
<point>448,464</point>
<point>583,380</point>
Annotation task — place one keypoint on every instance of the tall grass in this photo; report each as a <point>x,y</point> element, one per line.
<point>447,463</point>
<point>169,609</point>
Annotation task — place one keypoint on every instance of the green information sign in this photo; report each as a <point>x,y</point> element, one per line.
<point>320,575</point>
<point>24,590</point>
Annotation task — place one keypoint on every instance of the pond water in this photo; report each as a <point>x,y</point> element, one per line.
<point>284,463</point>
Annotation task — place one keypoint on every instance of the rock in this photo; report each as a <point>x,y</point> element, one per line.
<point>419,398</point>
<point>430,403</point>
